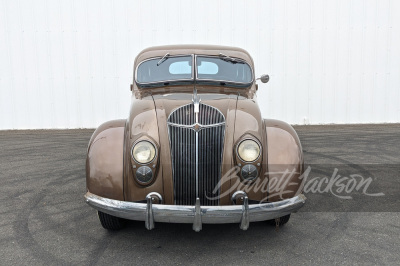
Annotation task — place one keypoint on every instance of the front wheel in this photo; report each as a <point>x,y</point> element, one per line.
<point>110,222</point>
<point>282,220</point>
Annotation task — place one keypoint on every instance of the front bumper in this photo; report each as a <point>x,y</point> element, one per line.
<point>196,215</point>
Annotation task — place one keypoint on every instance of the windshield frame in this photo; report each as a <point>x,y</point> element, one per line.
<point>170,82</point>
<point>194,74</point>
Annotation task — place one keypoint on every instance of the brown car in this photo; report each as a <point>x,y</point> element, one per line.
<point>194,148</point>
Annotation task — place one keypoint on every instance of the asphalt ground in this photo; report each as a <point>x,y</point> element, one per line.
<point>45,221</point>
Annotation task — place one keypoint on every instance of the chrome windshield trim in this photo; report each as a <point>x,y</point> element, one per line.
<point>194,74</point>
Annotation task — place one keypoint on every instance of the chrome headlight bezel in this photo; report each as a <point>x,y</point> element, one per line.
<point>252,140</point>
<point>143,141</point>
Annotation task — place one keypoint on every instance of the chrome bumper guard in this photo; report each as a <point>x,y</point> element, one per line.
<point>196,215</point>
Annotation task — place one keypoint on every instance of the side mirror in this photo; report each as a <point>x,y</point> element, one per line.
<point>264,78</point>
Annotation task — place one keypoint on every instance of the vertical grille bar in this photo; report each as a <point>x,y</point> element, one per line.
<point>183,154</point>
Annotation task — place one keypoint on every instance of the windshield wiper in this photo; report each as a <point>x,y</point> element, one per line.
<point>230,59</point>
<point>165,57</point>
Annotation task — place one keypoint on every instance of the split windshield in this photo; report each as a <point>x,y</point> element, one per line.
<point>219,70</point>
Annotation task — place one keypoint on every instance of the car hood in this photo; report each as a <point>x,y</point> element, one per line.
<point>149,113</point>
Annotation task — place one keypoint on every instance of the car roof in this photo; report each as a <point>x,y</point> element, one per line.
<point>200,49</point>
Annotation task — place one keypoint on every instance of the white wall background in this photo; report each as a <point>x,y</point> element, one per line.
<point>68,64</point>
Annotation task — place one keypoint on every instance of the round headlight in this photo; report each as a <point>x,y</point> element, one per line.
<point>143,152</point>
<point>248,150</point>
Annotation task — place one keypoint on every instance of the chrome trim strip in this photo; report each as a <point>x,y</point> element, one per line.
<point>193,125</point>
<point>196,102</point>
<point>197,165</point>
<point>196,105</point>
<point>186,214</point>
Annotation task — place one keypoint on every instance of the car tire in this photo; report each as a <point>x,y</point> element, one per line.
<point>283,220</point>
<point>110,222</point>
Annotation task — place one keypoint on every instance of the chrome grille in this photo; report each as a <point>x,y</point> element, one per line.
<point>186,155</point>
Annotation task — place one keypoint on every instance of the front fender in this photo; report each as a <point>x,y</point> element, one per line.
<point>285,160</point>
<point>105,160</point>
